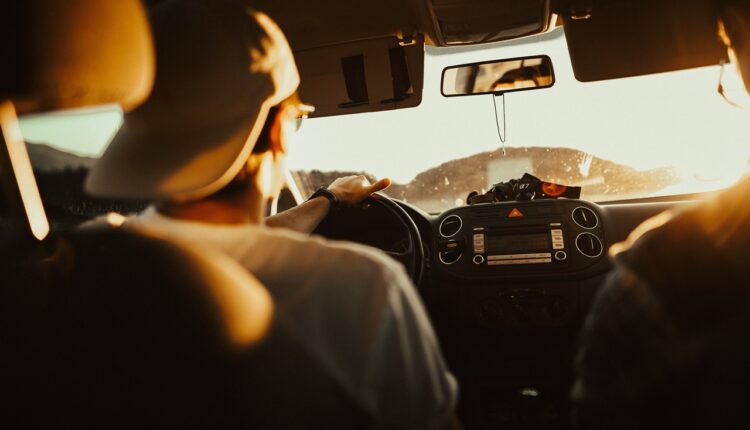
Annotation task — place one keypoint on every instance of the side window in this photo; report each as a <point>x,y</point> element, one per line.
<point>63,148</point>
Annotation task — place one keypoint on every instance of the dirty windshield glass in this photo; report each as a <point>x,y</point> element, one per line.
<point>622,139</point>
<point>630,138</point>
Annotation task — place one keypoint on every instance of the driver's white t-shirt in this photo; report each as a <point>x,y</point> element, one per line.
<point>354,309</point>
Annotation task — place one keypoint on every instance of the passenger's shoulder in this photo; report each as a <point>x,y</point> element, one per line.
<point>694,233</point>
<point>697,251</point>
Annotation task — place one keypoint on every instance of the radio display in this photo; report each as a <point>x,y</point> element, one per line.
<point>515,243</point>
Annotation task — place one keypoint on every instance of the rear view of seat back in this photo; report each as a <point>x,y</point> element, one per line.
<point>117,330</point>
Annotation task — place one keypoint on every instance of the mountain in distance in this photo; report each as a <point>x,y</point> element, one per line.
<point>448,184</point>
<point>45,158</point>
<point>60,176</point>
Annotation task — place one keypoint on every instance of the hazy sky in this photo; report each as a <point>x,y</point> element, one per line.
<point>673,119</point>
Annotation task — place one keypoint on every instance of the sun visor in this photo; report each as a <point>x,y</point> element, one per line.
<point>366,76</point>
<point>60,54</point>
<point>621,38</point>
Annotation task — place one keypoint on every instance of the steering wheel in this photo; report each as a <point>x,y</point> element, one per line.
<point>413,257</point>
<point>412,254</point>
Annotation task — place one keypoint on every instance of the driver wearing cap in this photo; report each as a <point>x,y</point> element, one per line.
<point>208,147</point>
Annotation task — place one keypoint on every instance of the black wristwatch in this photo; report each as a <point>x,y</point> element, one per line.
<point>325,192</point>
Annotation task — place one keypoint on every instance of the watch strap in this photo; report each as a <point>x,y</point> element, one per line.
<point>325,192</point>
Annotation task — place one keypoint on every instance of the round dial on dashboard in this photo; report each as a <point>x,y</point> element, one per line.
<point>589,245</point>
<point>450,257</point>
<point>585,217</point>
<point>450,226</point>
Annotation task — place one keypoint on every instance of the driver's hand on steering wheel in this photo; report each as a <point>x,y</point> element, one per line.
<point>352,190</point>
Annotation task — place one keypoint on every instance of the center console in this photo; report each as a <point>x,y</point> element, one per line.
<point>533,239</point>
<point>509,288</point>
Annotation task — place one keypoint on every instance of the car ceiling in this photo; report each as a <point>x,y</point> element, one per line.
<point>315,24</point>
<point>608,39</point>
<point>444,22</point>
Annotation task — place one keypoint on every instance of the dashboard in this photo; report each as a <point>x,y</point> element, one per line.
<point>523,262</point>
<point>506,265</point>
<point>507,287</point>
<point>529,239</point>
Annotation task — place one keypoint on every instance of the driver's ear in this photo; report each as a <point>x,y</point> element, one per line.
<point>277,139</point>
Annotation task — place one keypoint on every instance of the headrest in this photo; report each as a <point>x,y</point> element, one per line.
<point>60,54</point>
<point>617,39</point>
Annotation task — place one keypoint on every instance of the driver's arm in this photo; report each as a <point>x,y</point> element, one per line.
<point>349,190</point>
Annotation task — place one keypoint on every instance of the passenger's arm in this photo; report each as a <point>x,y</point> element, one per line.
<point>349,191</point>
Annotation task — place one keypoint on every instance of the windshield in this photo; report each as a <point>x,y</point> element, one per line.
<point>630,138</point>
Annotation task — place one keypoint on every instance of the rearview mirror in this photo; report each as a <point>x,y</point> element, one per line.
<point>498,76</point>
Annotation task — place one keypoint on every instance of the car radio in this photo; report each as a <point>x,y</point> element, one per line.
<point>510,246</point>
<point>497,238</point>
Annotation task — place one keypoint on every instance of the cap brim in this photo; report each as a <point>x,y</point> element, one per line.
<point>187,164</point>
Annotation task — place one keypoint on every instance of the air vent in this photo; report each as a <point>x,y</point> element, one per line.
<point>450,257</point>
<point>585,217</point>
<point>450,226</point>
<point>589,245</point>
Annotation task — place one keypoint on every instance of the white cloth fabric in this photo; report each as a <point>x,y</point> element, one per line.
<point>354,309</point>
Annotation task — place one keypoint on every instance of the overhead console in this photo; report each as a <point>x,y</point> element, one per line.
<point>532,239</point>
<point>466,22</point>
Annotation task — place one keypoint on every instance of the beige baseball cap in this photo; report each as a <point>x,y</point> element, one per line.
<point>220,67</point>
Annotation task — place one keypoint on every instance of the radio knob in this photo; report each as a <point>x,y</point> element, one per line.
<point>478,259</point>
<point>561,255</point>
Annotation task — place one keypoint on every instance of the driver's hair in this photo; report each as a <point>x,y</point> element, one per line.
<point>263,143</point>
<point>238,184</point>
